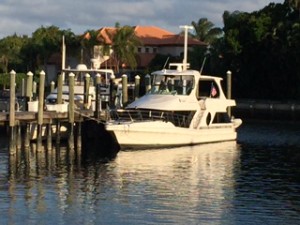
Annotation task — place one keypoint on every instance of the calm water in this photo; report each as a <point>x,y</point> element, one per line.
<point>254,181</point>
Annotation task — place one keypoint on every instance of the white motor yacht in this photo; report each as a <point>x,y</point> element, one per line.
<point>183,107</point>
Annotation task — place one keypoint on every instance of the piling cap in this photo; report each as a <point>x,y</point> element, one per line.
<point>29,73</point>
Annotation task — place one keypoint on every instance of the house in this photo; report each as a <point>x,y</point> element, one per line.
<point>154,41</point>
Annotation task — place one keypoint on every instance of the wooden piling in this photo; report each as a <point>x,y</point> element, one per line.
<point>59,88</point>
<point>23,88</point>
<point>29,79</point>
<point>34,90</point>
<point>52,86</point>
<point>27,136</point>
<point>87,78</point>
<point>98,96</point>
<point>98,78</point>
<point>12,144</point>
<point>71,110</point>
<point>49,135</point>
<point>147,83</point>
<point>124,90</point>
<point>229,74</point>
<point>137,80</point>
<point>18,135</point>
<point>112,91</point>
<point>58,125</point>
<point>78,135</point>
<point>40,109</point>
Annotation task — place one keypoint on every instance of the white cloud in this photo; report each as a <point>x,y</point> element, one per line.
<point>25,16</point>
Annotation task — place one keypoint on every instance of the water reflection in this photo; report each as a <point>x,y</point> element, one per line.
<point>169,185</point>
<point>184,183</point>
<point>250,182</point>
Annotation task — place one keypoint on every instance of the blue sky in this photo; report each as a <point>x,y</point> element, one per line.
<point>25,16</point>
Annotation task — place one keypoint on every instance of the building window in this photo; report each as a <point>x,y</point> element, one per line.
<point>154,50</point>
<point>139,49</point>
<point>147,50</point>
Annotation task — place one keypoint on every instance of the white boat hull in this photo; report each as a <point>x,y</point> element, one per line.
<point>153,134</point>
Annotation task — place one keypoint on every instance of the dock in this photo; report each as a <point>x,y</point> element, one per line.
<point>25,114</point>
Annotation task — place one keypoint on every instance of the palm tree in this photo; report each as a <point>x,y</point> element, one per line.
<point>88,41</point>
<point>205,31</point>
<point>124,47</point>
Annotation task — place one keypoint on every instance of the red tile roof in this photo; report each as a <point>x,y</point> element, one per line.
<point>106,34</point>
<point>151,35</point>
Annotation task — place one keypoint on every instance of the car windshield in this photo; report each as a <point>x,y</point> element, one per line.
<point>172,84</point>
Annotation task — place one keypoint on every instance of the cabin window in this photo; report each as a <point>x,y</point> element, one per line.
<point>208,89</point>
<point>172,84</point>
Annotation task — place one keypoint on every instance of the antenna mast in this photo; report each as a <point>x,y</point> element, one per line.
<point>185,28</point>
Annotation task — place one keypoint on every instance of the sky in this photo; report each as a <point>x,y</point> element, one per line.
<point>23,17</point>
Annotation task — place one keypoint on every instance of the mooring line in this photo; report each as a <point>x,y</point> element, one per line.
<point>89,117</point>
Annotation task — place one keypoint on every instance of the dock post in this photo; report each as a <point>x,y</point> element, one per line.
<point>87,78</point>
<point>71,110</point>
<point>49,135</point>
<point>19,135</point>
<point>29,79</point>
<point>147,83</point>
<point>124,90</point>
<point>58,125</point>
<point>59,88</point>
<point>52,86</point>
<point>40,110</point>
<point>137,80</point>
<point>23,88</point>
<point>27,136</point>
<point>98,96</point>
<point>78,132</point>
<point>60,80</point>
<point>229,74</point>
<point>34,90</point>
<point>98,78</point>
<point>78,144</point>
<point>12,143</point>
<point>112,92</point>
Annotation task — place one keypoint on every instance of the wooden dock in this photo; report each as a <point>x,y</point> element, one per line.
<point>18,121</point>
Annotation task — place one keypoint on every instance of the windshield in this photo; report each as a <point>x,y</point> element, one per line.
<point>172,84</point>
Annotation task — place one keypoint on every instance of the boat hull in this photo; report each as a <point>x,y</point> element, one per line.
<point>155,134</point>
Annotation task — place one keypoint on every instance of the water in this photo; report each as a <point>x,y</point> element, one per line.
<point>253,181</point>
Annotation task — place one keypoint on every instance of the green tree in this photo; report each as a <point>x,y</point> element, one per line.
<point>201,56</point>
<point>262,50</point>
<point>124,47</point>
<point>45,42</point>
<point>10,48</point>
<point>205,31</point>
